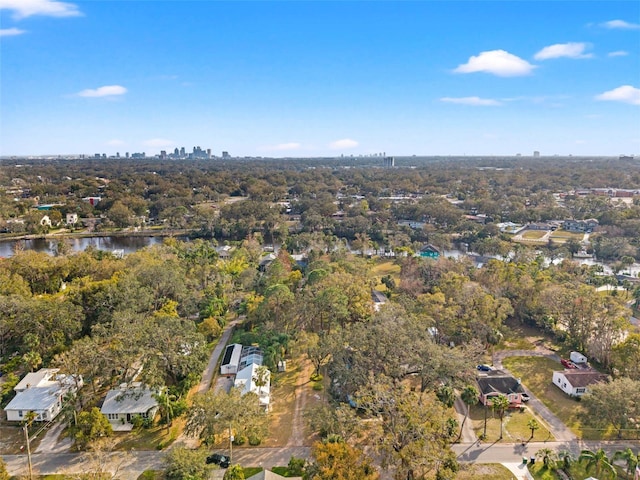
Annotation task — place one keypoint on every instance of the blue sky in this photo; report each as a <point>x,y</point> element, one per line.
<point>304,78</point>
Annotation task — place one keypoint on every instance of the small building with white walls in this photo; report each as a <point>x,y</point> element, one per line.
<point>575,383</point>
<point>231,359</point>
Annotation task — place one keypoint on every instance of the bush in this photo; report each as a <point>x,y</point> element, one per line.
<point>239,440</point>
<point>317,386</point>
<point>296,466</point>
<point>316,377</point>
<point>254,441</point>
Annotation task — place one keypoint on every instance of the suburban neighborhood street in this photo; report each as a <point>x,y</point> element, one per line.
<point>131,464</point>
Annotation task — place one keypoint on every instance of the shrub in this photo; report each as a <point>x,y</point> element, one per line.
<point>317,386</point>
<point>316,377</point>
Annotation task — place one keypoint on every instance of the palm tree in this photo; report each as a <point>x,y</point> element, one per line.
<point>533,425</point>
<point>548,457</point>
<point>629,458</point>
<point>598,461</point>
<point>469,397</point>
<point>499,405</point>
<point>567,458</point>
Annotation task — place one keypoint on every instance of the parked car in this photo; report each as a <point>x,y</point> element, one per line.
<point>525,397</point>
<point>219,459</point>
<point>484,368</point>
<point>567,363</point>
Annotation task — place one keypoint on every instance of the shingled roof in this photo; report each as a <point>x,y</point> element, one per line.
<point>499,382</point>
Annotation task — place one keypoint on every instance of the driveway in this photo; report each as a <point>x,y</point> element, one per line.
<point>557,428</point>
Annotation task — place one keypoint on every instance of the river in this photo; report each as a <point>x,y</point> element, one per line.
<point>49,246</point>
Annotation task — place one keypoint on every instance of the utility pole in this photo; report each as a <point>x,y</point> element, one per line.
<point>484,435</point>
<point>231,439</point>
<point>25,427</point>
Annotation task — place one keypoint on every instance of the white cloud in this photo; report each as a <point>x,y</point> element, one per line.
<point>50,8</point>
<point>618,53</point>
<point>9,32</point>
<point>497,62</point>
<point>106,91</point>
<point>624,94</point>
<point>158,143</point>
<point>475,101</point>
<point>569,50</point>
<point>343,143</point>
<point>621,24</point>
<point>115,143</point>
<point>283,147</point>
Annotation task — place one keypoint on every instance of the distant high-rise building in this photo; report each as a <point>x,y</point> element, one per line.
<point>176,152</point>
<point>183,152</point>
<point>126,154</point>
<point>117,154</point>
<point>226,155</point>
<point>208,153</point>
<point>536,154</point>
<point>163,154</point>
<point>389,162</point>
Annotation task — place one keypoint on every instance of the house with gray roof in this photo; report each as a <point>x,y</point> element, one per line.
<point>43,393</point>
<point>123,404</point>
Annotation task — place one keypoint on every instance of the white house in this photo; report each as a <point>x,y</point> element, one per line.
<point>121,405</point>
<point>575,382</point>
<point>45,221</point>
<point>246,382</point>
<point>231,359</point>
<point>43,393</point>
<point>72,218</point>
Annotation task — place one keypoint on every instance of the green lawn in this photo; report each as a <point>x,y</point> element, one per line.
<point>536,373</point>
<point>493,471</point>
<point>514,425</point>
<point>576,470</point>
<point>533,234</point>
<point>565,235</point>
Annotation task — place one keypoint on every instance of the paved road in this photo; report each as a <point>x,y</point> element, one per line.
<point>132,464</point>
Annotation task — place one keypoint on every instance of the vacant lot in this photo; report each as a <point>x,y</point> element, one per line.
<point>386,268</point>
<point>536,373</point>
<point>533,234</point>
<point>483,471</point>
<point>564,235</point>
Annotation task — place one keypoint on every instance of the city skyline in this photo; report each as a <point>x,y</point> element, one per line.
<point>308,79</point>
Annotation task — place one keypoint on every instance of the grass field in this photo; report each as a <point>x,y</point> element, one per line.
<point>533,234</point>
<point>483,471</point>
<point>536,374</point>
<point>383,268</point>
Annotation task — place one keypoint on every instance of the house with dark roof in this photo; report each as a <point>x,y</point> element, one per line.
<point>575,383</point>
<point>496,383</point>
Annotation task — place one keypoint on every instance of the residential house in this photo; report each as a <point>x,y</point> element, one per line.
<point>580,226</point>
<point>123,404</point>
<point>269,475</point>
<point>429,251</point>
<point>495,383</point>
<point>43,393</point>
<point>246,381</point>
<point>575,383</point>
<point>379,299</point>
<point>45,221</point>
<point>72,218</point>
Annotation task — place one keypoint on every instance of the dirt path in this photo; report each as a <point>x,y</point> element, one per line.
<point>297,438</point>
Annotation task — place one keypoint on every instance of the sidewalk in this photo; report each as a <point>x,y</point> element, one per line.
<point>520,470</point>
